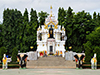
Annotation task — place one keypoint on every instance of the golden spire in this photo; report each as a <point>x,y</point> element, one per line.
<point>51,7</point>
<point>51,10</point>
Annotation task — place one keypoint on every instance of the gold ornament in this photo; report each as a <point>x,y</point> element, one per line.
<point>31,47</point>
<point>50,31</point>
<point>51,14</point>
<point>70,47</point>
<point>46,26</point>
<point>38,29</point>
<point>48,35</point>
<point>51,23</point>
<point>54,35</point>
<point>51,7</point>
<point>58,44</point>
<point>56,26</point>
<point>62,28</point>
<point>51,11</point>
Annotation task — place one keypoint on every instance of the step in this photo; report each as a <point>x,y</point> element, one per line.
<point>51,67</point>
<point>50,62</point>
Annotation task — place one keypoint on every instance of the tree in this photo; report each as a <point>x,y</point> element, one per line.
<point>33,29</point>
<point>23,36</point>
<point>61,15</point>
<point>18,28</point>
<point>14,54</point>
<point>6,29</point>
<point>68,24</point>
<point>42,15</point>
<point>0,35</point>
<point>11,29</point>
<point>77,27</point>
<point>82,27</point>
<point>98,20</point>
<point>93,44</point>
<point>3,51</point>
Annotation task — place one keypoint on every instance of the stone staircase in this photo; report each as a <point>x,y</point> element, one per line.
<point>50,62</point>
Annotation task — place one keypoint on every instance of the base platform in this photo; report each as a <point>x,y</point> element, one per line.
<point>51,62</point>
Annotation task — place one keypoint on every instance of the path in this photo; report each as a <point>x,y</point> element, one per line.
<point>49,72</point>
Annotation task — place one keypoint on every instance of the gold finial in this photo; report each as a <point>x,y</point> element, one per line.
<point>51,11</point>
<point>51,7</point>
<point>51,14</point>
<point>62,27</point>
<point>39,28</point>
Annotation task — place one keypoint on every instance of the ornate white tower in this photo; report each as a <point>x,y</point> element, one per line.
<point>50,37</point>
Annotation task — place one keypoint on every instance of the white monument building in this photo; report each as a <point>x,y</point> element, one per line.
<point>50,37</point>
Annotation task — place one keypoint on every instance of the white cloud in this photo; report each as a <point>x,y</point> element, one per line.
<point>44,5</point>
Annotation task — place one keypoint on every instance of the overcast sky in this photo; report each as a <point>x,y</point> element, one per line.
<point>44,5</point>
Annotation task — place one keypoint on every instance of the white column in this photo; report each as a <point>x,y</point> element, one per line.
<point>48,48</point>
<point>56,36</point>
<point>45,36</point>
<point>63,54</point>
<point>53,47</point>
<point>38,54</point>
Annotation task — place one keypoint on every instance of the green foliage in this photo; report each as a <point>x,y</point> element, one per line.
<point>23,34</point>
<point>42,15</point>
<point>77,27</point>
<point>11,29</point>
<point>61,16</point>
<point>3,51</point>
<point>25,16</point>
<point>0,35</point>
<point>14,54</point>
<point>93,44</point>
<point>18,31</point>
<point>33,29</point>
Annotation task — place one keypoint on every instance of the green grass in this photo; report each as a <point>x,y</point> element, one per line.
<point>88,65</point>
<point>11,65</point>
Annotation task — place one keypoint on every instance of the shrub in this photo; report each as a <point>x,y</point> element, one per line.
<point>14,54</point>
<point>2,51</point>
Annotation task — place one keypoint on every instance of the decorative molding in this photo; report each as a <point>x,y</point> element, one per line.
<point>58,44</point>
<point>46,26</point>
<point>55,25</point>
<point>51,22</point>
<point>38,29</point>
<point>43,44</point>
